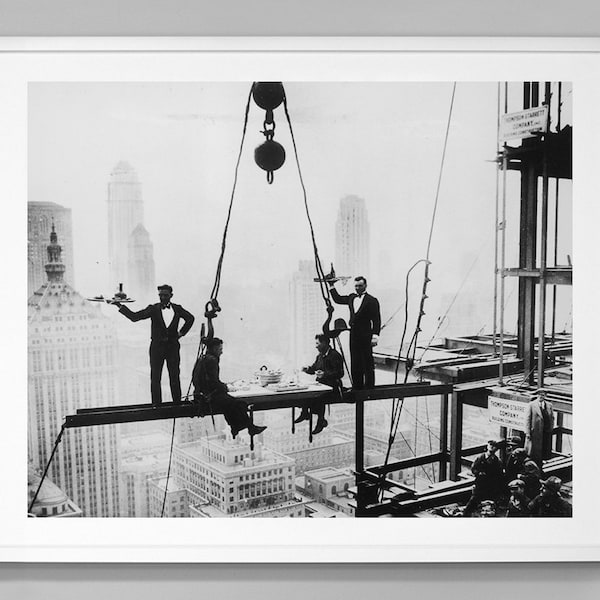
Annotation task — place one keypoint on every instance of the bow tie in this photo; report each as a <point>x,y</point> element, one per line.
<point>167,306</point>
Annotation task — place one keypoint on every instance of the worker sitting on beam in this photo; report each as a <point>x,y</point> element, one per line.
<point>329,370</point>
<point>209,388</point>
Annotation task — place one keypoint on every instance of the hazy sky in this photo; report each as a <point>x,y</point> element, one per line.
<point>380,141</point>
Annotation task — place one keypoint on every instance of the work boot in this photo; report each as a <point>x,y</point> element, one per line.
<point>303,416</point>
<point>321,424</point>
<point>256,429</point>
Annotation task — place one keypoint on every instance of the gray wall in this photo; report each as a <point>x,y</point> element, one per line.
<point>301,17</point>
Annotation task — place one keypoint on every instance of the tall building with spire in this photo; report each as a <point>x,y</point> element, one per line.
<point>71,365</point>
<point>352,238</point>
<point>130,251</point>
<point>40,216</point>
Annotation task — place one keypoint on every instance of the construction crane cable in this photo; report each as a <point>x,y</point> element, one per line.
<point>162,512</point>
<point>319,268</point>
<point>408,367</point>
<point>325,294</point>
<point>56,443</point>
<point>217,283</point>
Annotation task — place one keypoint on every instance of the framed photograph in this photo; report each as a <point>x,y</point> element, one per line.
<point>281,291</point>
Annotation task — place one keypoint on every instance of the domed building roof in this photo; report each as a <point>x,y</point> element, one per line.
<point>51,501</point>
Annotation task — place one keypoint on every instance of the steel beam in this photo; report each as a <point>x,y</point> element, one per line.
<point>408,463</point>
<point>131,413</point>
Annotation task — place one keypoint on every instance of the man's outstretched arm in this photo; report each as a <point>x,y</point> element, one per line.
<point>139,315</point>
<point>338,298</point>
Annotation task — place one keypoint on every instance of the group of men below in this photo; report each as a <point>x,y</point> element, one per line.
<point>515,489</point>
<point>165,316</point>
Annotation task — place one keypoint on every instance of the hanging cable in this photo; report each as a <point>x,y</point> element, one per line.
<point>398,404</point>
<point>212,307</point>
<point>320,273</point>
<point>325,294</point>
<point>215,290</point>
<point>162,512</point>
<point>56,443</point>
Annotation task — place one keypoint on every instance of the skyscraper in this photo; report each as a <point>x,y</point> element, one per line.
<point>352,238</point>
<point>140,267</point>
<point>71,365</point>
<point>130,251</point>
<point>307,313</point>
<point>40,217</point>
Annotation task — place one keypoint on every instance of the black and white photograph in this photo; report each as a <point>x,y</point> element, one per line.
<point>300,299</point>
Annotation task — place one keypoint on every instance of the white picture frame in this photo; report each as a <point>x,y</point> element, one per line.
<point>24,60</point>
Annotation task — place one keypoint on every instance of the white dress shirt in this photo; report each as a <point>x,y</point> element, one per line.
<point>357,302</point>
<point>168,314</point>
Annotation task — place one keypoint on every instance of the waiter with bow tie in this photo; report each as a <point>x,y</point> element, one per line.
<point>539,425</point>
<point>164,339</point>
<point>365,325</point>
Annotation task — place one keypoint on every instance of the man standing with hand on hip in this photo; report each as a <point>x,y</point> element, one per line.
<point>365,325</point>
<point>164,343</point>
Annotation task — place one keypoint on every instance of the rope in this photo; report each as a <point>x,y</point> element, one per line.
<point>162,512</point>
<point>215,290</point>
<point>320,273</point>
<point>325,294</point>
<point>397,405</point>
<point>56,443</point>
<point>217,283</point>
<point>464,281</point>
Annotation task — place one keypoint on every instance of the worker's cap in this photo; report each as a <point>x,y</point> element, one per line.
<point>514,440</point>
<point>494,444</point>
<point>519,453</point>
<point>552,483</point>
<point>165,288</point>
<point>516,483</point>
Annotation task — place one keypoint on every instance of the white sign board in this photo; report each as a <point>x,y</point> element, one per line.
<point>524,123</point>
<point>507,413</point>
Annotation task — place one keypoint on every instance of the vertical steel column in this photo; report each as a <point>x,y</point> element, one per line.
<point>543,248</point>
<point>496,227</point>
<point>360,435</point>
<point>503,249</point>
<point>359,448</point>
<point>558,110</point>
<point>527,245</point>
<point>456,429</point>
<point>444,437</point>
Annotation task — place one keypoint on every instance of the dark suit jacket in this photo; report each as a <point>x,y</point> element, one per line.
<point>159,331</point>
<point>365,322</point>
<point>332,365</point>
<point>205,376</point>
